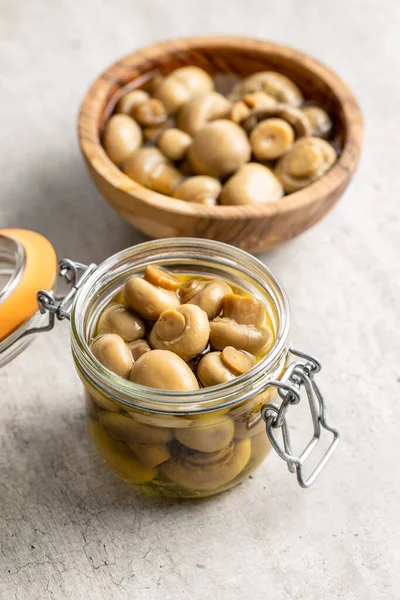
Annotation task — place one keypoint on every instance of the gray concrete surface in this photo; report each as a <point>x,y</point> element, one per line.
<point>68,528</point>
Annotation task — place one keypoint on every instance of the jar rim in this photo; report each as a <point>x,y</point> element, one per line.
<point>141,397</point>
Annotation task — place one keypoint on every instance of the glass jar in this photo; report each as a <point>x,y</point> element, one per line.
<point>198,443</point>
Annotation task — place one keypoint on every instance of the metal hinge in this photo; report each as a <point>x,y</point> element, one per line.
<point>298,375</point>
<point>75,274</point>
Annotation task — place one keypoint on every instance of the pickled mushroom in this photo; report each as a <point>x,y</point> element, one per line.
<point>280,87</point>
<point>219,149</point>
<point>184,331</point>
<point>252,184</point>
<point>308,160</point>
<point>118,319</point>
<point>199,472</point>
<point>208,435</point>
<point>122,136</point>
<point>163,370</point>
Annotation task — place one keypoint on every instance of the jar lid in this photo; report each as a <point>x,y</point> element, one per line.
<point>27,264</point>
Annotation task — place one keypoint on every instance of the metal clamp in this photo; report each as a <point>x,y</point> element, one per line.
<point>299,374</point>
<point>56,306</point>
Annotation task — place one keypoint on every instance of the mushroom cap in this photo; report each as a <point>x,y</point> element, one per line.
<point>211,370</point>
<point>294,116</point>
<point>174,143</point>
<point>161,277</point>
<point>271,138</point>
<point>252,184</point>
<point>320,121</point>
<point>207,435</point>
<point>209,297</point>
<point>150,113</point>
<point>118,319</point>
<point>148,300</point>
<point>236,360</point>
<point>200,189</point>
<point>184,330</point>
<point>225,332</point>
<point>308,160</point>
<point>137,348</point>
<point>182,85</point>
<point>200,110</point>
<point>129,100</point>
<point>127,429</point>
<point>209,472</point>
<point>118,456</point>
<point>150,455</point>
<point>149,167</point>
<point>275,84</point>
<point>247,310</point>
<point>122,136</point>
<point>111,351</point>
<point>243,108</point>
<point>219,149</point>
<point>152,134</point>
<point>163,370</point>
<point>189,289</point>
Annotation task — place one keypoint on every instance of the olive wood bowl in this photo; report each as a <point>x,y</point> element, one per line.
<point>253,228</point>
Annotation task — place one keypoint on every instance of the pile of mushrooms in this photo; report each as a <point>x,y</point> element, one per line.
<point>179,333</point>
<point>182,138</point>
<point>179,336</point>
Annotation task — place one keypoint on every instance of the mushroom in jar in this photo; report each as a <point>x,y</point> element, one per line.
<point>219,367</point>
<point>126,429</point>
<point>251,184</point>
<point>226,332</point>
<point>130,100</point>
<point>196,113</point>
<point>150,455</point>
<point>200,189</point>
<point>161,278</point>
<point>209,471</point>
<point>184,331</point>
<point>111,351</point>
<point>308,160</point>
<point>137,348</point>
<point>118,457</point>
<point>219,149</point>
<point>163,370</point>
<point>150,168</point>
<point>118,319</point>
<point>208,296</point>
<point>148,300</point>
<point>244,309</point>
<point>122,136</point>
<point>189,289</point>
<point>207,435</point>
<point>182,85</point>
<point>271,138</point>
<point>320,121</point>
<point>275,84</point>
<point>237,361</point>
<point>174,143</point>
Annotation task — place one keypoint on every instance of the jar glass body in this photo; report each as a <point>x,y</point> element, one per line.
<point>179,444</point>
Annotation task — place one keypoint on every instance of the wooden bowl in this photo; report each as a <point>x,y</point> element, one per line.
<point>253,228</point>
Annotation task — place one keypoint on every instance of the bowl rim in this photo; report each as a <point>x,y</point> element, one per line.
<point>335,179</point>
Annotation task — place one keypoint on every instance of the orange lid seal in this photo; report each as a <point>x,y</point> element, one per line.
<point>27,264</point>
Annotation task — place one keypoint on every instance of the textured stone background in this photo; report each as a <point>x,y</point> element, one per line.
<point>68,528</point>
